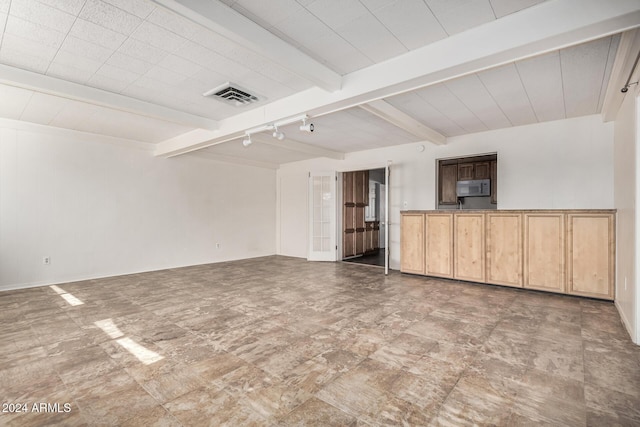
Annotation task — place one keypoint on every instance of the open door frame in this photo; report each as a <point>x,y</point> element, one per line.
<point>387,174</point>
<point>339,198</point>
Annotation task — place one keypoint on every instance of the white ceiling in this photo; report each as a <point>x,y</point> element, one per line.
<point>553,86</point>
<point>135,48</point>
<point>136,69</point>
<point>349,35</point>
<point>41,108</point>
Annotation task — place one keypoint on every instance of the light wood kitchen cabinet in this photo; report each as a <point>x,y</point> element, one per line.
<point>570,251</point>
<point>412,234</point>
<point>504,248</point>
<point>465,171</point>
<point>439,245</point>
<point>544,251</point>
<point>482,170</point>
<point>448,179</point>
<point>468,247</point>
<point>590,255</point>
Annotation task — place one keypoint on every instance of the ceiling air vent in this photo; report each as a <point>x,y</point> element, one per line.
<point>232,94</point>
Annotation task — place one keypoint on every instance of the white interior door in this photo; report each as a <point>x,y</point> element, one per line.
<point>322,216</point>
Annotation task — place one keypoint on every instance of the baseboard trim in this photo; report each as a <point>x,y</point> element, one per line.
<point>627,324</point>
<point>98,276</point>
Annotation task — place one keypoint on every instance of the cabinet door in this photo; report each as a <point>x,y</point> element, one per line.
<point>348,186</point>
<point>412,243</point>
<point>469,249</point>
<point>365,185</point>
<point>465,171</point>
<point>482,170</point>
<point>448,178</point>
<point>361,188</point>
<point>590,255</point>
<point>348,215</point>
<point>504,249</point>
<point>494,182</point>
<point>544,256</point>
<point>349,232</point>
<point>360,231</point>
<point>439,245</point>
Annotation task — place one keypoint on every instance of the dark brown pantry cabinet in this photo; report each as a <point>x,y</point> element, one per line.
<point>355,190</point>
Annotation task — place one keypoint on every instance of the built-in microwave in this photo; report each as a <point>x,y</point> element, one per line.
<point>473,188</point>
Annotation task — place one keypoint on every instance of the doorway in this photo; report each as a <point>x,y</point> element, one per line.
<point>364,217</point>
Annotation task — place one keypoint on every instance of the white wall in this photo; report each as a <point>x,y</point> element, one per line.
<point>625,197</point>
<point>636,282</point>
<point>292,219</point>
<point>566,164</point>
<point>102,209</point>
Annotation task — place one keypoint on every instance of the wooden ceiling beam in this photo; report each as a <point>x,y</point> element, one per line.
<point>391,114</point>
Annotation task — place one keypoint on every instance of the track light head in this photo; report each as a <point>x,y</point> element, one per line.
<point>247,141</point>
<point>306,127</point>
<point>277,134</point>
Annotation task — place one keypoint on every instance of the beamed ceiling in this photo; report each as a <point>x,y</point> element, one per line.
<point>369,73</point>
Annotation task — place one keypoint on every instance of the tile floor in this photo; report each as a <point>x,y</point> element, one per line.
<point>376,259</point>
<point>280,341</point>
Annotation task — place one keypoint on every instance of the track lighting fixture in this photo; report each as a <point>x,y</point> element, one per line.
<point>277,134</point>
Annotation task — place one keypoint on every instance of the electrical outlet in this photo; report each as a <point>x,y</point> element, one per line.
<point>46,260</point>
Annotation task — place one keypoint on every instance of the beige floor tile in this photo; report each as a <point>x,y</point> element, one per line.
<point>156,416</point>
<point>548,398</point>
<point>205,407</point>
<point>316,413</point>
<point>510,347</point>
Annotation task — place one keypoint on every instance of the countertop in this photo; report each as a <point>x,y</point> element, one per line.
<point>509,211</point>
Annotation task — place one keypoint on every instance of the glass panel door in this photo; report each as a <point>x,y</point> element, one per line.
<point>322,216</point>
